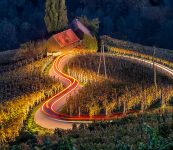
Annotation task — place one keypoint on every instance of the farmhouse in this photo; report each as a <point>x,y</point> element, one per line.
<point>62,41</point>
<point>72,37</point>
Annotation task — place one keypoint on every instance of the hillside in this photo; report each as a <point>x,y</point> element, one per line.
<point>137,131</point>
<point>165,54</point>
<point>143,132</point>
<point>86,75</point>
<point>128,86</point>
<point>23,85</point>
<point>148,22</point>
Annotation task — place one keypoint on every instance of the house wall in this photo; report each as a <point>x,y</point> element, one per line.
<point>71,46</point>
<point>52,45</point>
<point>80,34</point>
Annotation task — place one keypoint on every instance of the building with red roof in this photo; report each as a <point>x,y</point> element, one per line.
<point>63,40</point>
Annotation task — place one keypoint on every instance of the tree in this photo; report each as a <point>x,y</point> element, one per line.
<point>63,144</point>
<point>8,35</point>
<point>55,15</point>
<point>94,109</point>
<point>92,25</point>
<point>154,140</point>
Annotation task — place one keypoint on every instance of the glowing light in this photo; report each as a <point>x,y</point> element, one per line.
<point>48,107</point>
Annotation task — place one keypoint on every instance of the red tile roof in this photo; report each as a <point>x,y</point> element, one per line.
<point>66,38</point>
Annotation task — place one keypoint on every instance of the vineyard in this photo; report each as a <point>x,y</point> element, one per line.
<point>86,74</point>
<point>129,86</point>
<point>129,47</point>
<point>22,87</point>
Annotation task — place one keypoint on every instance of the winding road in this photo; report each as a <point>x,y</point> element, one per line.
<point>49,115</point>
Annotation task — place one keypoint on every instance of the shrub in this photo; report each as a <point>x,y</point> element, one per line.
<point>90,43</point>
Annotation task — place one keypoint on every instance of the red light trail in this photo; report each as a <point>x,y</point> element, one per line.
<point>49,108</point>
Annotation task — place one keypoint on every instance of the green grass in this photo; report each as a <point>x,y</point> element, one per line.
<point>47,68</point>
<point>65,69</point>
<point>32,127</point>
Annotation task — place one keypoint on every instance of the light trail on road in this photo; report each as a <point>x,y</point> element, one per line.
<point>51,108</point>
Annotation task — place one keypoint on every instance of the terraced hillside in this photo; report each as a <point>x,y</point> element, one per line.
<point>129,86</point>
<point>23,85</point>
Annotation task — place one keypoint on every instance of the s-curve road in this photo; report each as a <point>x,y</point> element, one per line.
<point>49,115</point>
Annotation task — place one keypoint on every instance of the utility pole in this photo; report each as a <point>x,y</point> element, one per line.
<point>154,68</point>
<point>102,56</point>
<point>79,111</point>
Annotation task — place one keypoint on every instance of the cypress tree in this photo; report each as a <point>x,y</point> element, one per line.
<point>55,15</point>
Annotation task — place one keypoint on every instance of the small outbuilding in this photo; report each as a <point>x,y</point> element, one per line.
<point>63,41</point>
<point>80,29</point>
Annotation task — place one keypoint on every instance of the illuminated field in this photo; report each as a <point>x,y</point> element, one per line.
<point>127,101</point>
<point>129,83</point>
